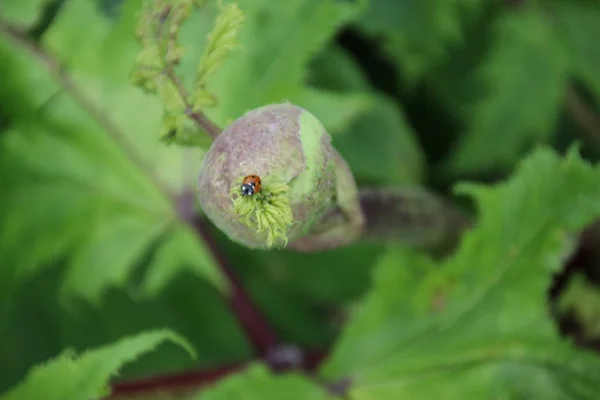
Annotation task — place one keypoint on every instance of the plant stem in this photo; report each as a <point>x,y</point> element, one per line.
<point>198,117</point>
<point>257,328</point>
<point>189,381</point>
<point>412,215</point>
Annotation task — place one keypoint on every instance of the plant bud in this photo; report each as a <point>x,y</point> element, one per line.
<point>291,153</point>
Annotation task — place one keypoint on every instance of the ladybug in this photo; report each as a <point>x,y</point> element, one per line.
<point>250,185</point>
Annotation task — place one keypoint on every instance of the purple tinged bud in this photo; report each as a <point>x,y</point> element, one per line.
<point>290,150</point>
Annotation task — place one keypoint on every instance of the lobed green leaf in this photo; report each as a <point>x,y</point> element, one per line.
<point>72,377</point>
<point>478,324</point>
<point>88,179</point>
<point>38,324</point>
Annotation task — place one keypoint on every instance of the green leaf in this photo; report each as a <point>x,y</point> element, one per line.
<point>23,13</point>
<point>382,147</point>
<point>38,324</point>
<point>104,257</point>
<point>478,325</point>
<point>277,45</point>
<point>336,111</point>
<point>99,54</point>
<point>257,382</point>
<point>453,82</point>
<point>88,181</point>
<point>416,32</point>
<point>524,75</point>
<point>379,145</point>
<point>578,23</point>
<point>71,377</point>
<point>180,250</point>
<point>336,69</point>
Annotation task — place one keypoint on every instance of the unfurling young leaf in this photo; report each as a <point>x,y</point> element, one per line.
<point>221,41</point>
<point>158,28</point>
<point>72,377</point>
<point>155,71</point>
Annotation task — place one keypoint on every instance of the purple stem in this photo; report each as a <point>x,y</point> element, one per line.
<point>257,328</point>
<point>175,383</point>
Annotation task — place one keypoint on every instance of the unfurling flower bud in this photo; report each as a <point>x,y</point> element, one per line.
<point>291,152</point>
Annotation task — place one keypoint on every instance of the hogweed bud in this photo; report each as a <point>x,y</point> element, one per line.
<point>290,150</point>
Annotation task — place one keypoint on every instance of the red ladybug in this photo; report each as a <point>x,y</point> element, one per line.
<point>250,185</point>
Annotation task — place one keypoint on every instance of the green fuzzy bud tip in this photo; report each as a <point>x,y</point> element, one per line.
<point>266,211</point>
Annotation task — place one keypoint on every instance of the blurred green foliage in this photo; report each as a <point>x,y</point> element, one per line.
<point>93,249</point>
